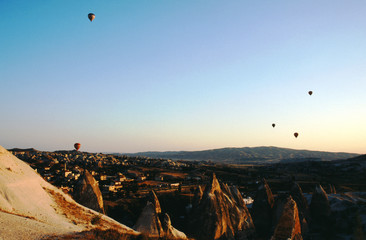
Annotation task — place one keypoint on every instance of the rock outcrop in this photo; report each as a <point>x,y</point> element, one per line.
<point>237,197</point>
<point>302,206</point>
<point>288,226</point>
<point>149,221</point>
<point>262,210</point>
<point>219,215</point>
<point>198,193</point>
<point>87,192</point>
<point>169,231</point>
<point>320,212</point>
<point>319,206</point>
<point>31,208</point>
<point>277,210</point>
<point>155,201</point>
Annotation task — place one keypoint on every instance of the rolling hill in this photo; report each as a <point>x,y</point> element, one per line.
<point>249,155</point>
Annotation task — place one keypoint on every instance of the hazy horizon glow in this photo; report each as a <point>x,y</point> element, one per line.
<point>183,75</point>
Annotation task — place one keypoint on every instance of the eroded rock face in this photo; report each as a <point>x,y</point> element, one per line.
<point>198,193</point>
<point>320,212</point>
<point>319,206</point>
<point>151,218</point>
<point>302,205</point>
<point>237,196</point>
<point>262,210</point>
<point>278,207</point>
<point>155,201</point>
<point>298,196</point>
<point>87,192</point>
<point>170,231</point>
<point>288,226</point>
<point>149,222</point>
<point>245,224</point>
<point>219,215</point>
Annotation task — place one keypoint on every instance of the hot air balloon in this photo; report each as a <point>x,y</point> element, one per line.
<point>77,146</point>
<point>310,92</point>
<point>273,125</point>
<point>296,134</point>
<point>91,16</point>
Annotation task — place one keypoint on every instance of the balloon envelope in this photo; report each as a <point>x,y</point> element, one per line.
<point>91,16</point>
<point>310,92</point>
<point>77,146</point>
<point>296,134</point>
<point>273,125</point>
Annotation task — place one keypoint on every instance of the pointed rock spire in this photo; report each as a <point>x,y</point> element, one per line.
<point>87,192</point>
<point>218,215</point>
<point>170,231</point>
<point>319,210</point>
<point>213,186</point>
<point>148,222</point>
<point>298,196</point>
<point>288,226</point>
<point>155,201</point>
<point>278,207</point>
<point>319,205</point>
<point>262,210</point>
<point>302,205</point>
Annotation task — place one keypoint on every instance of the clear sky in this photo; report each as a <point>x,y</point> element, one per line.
<point>183,75</point>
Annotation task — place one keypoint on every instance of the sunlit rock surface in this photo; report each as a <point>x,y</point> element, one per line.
<point>288,226</point>
<point>151,219</point>
<point>219,215</point>
<point>149,222</point>
<point>302,206</point>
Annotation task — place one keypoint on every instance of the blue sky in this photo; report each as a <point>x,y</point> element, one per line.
<point>183,75</point>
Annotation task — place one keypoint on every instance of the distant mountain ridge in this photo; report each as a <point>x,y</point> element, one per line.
<point>249,155</point>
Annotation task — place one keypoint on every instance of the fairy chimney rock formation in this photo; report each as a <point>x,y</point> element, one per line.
<point>289,226</point>
<point>278,207</point>
<point>155,201</point>
<point>262,210</point>
<point>319,211</point>
<point>237,196</point>
<point>87,192</point>
<point>148,221</point>
<point>319,206</point>
<point>218,216</point>
<point>302,205</point>
<point>170,231</point>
